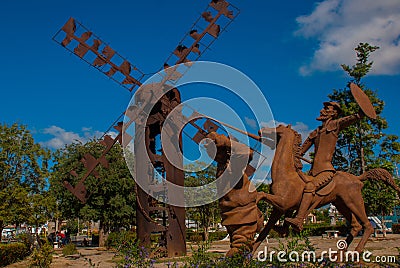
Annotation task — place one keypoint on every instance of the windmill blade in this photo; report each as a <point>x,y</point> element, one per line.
<point>80,41</point>
<point>204,32</point>
<point>223,7</point>
<point>79,190</point>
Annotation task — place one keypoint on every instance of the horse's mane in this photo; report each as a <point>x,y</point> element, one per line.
<point>296,150</point>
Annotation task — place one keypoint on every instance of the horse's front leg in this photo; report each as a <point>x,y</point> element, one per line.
<point>275,200</point>
<point>275,215</point>
<point>283,230</point>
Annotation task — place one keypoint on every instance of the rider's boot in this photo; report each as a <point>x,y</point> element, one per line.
<point>297,223</point>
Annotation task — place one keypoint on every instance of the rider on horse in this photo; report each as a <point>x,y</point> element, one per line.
<point>324,139</point>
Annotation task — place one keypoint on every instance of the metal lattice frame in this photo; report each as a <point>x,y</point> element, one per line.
<point>80,41</point>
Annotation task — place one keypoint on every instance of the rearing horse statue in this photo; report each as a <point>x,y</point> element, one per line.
<point>344,191</point>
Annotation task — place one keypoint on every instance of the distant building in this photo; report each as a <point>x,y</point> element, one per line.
<point>311,218</point>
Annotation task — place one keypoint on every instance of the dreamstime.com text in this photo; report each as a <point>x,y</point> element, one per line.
<point>337,255</point>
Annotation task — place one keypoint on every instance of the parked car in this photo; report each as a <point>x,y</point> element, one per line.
<point>8,234</point>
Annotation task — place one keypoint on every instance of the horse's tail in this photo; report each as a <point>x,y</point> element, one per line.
<point>380,174</point>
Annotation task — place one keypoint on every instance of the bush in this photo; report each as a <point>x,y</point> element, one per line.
<point>95,239</point>
<point>273,234</point>
<point>116,239</point>
<point>317,230</point>
<point>193,236</point>
<point>201,257</point>
<point>398,257</point>
<point>43,257</point>
<point>72,227</point>
<point>396,228</point>
<point>26,239</point>
<point>155,238</point>
<point>69,249</point>
<point>10,253</point>
<point>218,235</point>
<point>134,255</point>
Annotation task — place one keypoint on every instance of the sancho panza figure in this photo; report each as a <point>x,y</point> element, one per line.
<point>324,139</point>
<point>238,207</point>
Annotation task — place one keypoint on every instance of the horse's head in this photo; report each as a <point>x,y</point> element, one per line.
<point>283,130</point>
<point>285,138</point>
<point>276,133</point>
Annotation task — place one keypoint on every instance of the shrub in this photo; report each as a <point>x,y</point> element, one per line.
<point>243,259</point>
<point>200,257</point>
<point>116,239</point>
<point>396,228</point>
<point>317,230</point>
<point>293,243</point>
<point>196,237</point>
<point>218,235</point>
<point>10,253</point>
<point>134,255</point>
<point>273,234</point>
<point>26,239</point>
<point>69,249</point>
<point>398,257</point>
<point>42,257</point>
<point>95,239</point>
<point>72,226</point>
<point>154,238</point>
<point>193,236</point>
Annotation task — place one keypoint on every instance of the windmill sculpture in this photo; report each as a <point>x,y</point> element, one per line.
<point>79,40</point>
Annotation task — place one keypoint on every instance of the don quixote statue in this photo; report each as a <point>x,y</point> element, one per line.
<point>292,189</point>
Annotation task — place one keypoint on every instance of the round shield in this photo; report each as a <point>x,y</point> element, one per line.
<point>363,101</point>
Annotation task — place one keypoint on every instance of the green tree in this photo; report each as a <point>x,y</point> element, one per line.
<point>23,173</point>
<point>365,145</point>
<point>112,197</point>
<point>43,207</point>
<point>206,214</point>
<point>322,215</point>
<point>263,205</point>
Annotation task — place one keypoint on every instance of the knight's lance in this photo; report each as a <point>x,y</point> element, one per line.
<point>256,137</point>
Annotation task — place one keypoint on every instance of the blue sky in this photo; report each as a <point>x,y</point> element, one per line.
<point>291,49</point>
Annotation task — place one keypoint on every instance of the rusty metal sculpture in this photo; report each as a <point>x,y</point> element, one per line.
<point>82,42</point>
<point>239,212</point>
<point>293,190</point>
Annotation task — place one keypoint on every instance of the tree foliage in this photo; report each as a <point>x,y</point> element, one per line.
<point>209,213</point>
<point>112,197</point>
<point>365,145</point>
<point>24,174</point>
<point>363,65</point>
<point>263,205</point>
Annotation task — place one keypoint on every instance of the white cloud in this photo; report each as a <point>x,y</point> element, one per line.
<point>250,122</point>
<point>112,134</point>
<point>300,127</point>
<point>340,25</point>
<point>89,133</point>
<point>61,137</point>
